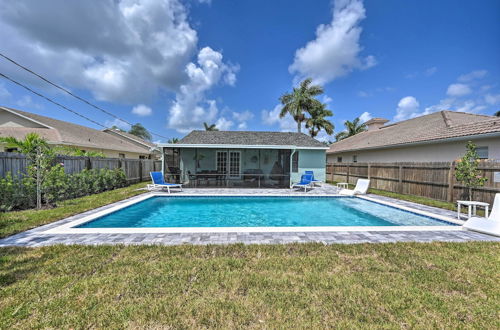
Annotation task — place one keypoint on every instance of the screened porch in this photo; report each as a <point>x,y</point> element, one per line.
<point>229,167</point>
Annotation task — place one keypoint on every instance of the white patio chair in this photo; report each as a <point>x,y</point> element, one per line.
<point>490,225</point>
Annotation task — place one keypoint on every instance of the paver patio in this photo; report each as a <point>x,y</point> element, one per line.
<point>37,237</point>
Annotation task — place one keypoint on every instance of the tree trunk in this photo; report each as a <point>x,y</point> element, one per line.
<point>299,126</point>
<point>470,194</point>
<point>38,181</point>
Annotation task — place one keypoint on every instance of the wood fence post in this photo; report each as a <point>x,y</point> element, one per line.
<point>451,182</point>
<point>400,179</point>
<point>347,176</point>
<point>332,171</point>
<point>140,170</point>
<point>368,170</point>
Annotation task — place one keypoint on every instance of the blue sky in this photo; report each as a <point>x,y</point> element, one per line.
<point>172,65</point>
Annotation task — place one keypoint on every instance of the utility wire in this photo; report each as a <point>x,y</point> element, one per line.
<point>70,93</point>
<point>50,100</point>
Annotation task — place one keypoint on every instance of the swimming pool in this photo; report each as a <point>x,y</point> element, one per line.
<point>262,211</point>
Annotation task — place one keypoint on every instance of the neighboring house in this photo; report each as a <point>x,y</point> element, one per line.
<point>437,137</point>
<point>18,123</point>
<point>243,159</point>
<point>135,140</point>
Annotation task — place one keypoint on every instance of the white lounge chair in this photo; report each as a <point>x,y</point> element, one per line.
<point>490,225</point>
<point>361,188</point>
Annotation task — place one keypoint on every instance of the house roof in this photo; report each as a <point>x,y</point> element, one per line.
<point>251,138</point>
<point>130,137</point>
<point>62,132</point>
<point>433,127</point>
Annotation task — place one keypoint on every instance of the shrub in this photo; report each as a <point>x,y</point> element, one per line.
<point>16,194</point>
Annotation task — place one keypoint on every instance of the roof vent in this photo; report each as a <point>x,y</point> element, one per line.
<point>375,123</point>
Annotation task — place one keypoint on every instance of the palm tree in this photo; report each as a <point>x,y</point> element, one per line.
<point>139,131</point>
<point>317,122</point>
<point>173,140</point>
<point>352,128</point>
<point>300,100</point>
<point>210,127</point>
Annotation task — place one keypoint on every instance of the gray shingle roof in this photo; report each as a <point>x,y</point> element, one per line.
<point>432,127</point>
<point>251,138</point>
<point>62,132</point>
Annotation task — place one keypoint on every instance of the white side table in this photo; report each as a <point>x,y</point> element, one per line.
<point>472,208</point>
<point>342,185</point>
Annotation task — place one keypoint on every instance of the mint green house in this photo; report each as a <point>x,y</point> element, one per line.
<point>243,159</point>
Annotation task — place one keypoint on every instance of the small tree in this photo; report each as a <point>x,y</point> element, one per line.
<point>467,171</point>
<point>39,155</point>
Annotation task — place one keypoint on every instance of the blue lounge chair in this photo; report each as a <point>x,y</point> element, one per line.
<point>313,179</point>
<point>159,182</point>
<point>305,182</point>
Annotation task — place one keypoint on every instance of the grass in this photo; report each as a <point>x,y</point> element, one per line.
<point>402,285</point>
<point>16,222</point>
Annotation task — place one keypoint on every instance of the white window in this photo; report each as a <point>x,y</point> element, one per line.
<point>221,162</point>
<point>355,158</point>
<point>339,159</point>
<point>231,163</point>
<point>234,164</point>
<point>295,162</point>
<point>121,155</point>
<point>482,152</point>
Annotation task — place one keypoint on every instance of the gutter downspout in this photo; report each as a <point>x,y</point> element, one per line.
<point>162,161</point>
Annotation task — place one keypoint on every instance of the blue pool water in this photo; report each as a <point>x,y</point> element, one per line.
<point>257,212</point>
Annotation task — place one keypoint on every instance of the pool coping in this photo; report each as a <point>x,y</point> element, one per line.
<point>68,227</point>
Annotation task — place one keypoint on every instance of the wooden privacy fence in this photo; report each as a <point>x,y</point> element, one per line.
<point>136,170</point>
<point>432,180</point>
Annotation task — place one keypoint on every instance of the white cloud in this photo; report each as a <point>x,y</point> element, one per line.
<point>478,74</point>
<point>335,51</point>
<point>4,93</point>
<point>326,99</point>
<point>323,137</point>
<point>272,117</point>
<point>457,90</point>
<point>118,123</point>
<point>142,110</point>
<point>365,116</point>
<point>492,99</point>
<point>27,102</point>
<point>223,124</point>
<point>408,107</point>
<point>190,108</point>
<point>121,51</point>
<point>242,116</point>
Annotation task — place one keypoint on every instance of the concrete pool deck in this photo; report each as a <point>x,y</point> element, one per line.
<point>42,235</point>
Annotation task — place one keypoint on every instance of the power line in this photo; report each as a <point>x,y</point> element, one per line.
<point>50,100</point>
<point>69,92</point>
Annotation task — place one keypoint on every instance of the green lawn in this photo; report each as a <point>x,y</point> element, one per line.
<point>15,222</point>
<point>403,285</point>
